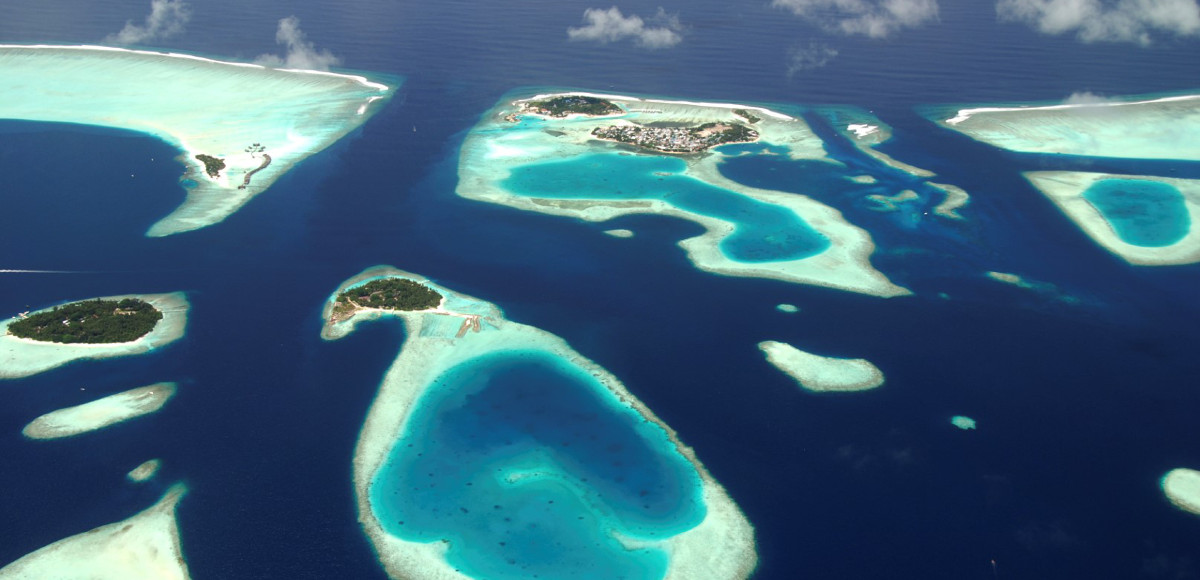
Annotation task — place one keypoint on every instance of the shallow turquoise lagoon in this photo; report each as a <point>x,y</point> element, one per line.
<point>1143,213</point>
<point>764,232</point>
<point>529,467</point>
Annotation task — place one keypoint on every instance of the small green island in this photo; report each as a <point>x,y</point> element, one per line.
<point>562,106</point>
<point>90,322</point>
<point>677,139</point>
<point>212,165</point>
<point>385,294</point>
<point>747,115</point>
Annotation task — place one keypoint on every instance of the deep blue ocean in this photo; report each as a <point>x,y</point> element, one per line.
<point>1085,388</point>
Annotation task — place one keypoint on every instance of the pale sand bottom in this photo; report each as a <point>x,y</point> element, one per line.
<point>143,547</point>
<point>1065,189</point>
<point>21,357</point>
<point>720,547</point>
<point>619,233</point>
<point>145,471</point>
<point>1182,487</point>
<point>821,373</point>
<point>100,413</point>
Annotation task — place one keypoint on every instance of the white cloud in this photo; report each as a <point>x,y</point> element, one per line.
<point>167,18</point>
<point>815,55</point>
<point>873,18</point>
<point>1097,21</point>
<point>1086,98</point>
<point>300,53</point>
<point>610,25</point>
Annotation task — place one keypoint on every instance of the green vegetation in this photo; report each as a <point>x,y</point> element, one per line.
<point>212,165</point>
<point>577,104</point>
<point>747,115</point>
<point>387,294</point>
<point>90,321</point>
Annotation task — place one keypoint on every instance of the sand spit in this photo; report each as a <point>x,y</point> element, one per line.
<point>21,357</point>
<point>1066,188</point>
<point>100,413</point>
<point>199,105</point>
<point>143,547</point>
<point>1182,487</point>
<point>497,145</point>
<point>822,374</point>
<point>720,547</point>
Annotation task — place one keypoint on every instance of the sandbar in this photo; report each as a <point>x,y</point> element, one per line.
<point>1182,488</point>
<point>620,233</point>
<point>21,357</point>
<point>101,413</point>
<point>1136,127</point>
<point>1066,188</point>
<point>788,308</point>
<point>507,138</point>
<point>721,546</point>
<point>145,471</point>
<point>143,547</point>
<point>200,106</point>
<point>822,374</point>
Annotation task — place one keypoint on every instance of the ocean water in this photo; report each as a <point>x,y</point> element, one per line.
<point>1142,213</point>
<point>1084,389</point>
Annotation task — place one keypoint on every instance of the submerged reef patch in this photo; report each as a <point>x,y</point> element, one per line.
<point>233,121</point>
<point>101,413</point>
<point>494,450</point>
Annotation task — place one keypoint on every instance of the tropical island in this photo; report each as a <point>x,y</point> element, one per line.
<point>103,327</point>
<point>564,105</point>
<point>677,139</point>
<point>212,165</point>
<point>385,294</point>
<point>90,322</point>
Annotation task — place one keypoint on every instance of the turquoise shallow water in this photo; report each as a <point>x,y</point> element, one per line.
<point>764,232</point>
<point>527,463</point>
<point>1143,213</point>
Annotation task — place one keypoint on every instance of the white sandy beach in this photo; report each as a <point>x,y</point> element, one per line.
<point>720,547</point>
<point>21,357</point>
<point>822,374</point>
<point>496,146</point>
<point>199,105</point>
<point>143,547</point>
<point>1066,188</point>
<point>101,413</point>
